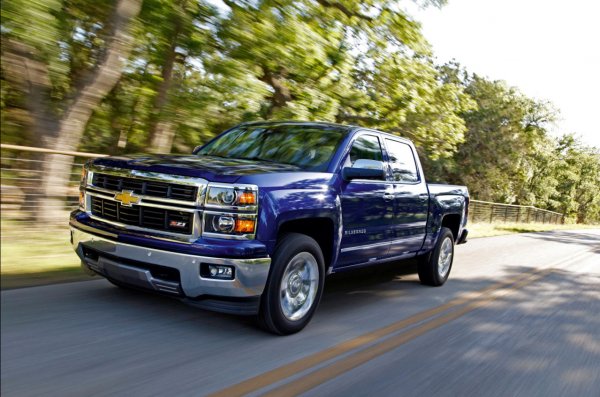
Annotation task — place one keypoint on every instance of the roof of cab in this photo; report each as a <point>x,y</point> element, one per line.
<point>347,128</point>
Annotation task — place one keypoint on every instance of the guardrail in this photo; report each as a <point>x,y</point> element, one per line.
<point>488,212</point>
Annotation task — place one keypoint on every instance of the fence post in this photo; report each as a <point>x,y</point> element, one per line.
<point>506,214</point>
<point>492,214</point>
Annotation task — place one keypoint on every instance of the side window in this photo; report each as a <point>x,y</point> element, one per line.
<point>366,147</point>
<point>402,161</point>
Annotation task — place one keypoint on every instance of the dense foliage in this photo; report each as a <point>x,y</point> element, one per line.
<point>166,75</point>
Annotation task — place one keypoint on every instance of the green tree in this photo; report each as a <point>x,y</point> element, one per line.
<point>76,54</point>
<point>579,180</point>
<point>504,133</point>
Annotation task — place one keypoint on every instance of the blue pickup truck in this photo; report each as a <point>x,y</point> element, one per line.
<point>252,222</point>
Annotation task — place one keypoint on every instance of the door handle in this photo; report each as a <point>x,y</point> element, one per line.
<point>388,196</point>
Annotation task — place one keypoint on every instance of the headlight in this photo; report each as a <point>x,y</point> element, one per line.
<point>227,224</point>
<point>231,211</point>
<point>231,196</point>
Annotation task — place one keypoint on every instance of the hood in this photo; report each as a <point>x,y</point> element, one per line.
<point>213,169</point>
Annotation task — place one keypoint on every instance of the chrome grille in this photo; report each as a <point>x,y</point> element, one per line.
<point>143,216</point>
<point>146,187</point>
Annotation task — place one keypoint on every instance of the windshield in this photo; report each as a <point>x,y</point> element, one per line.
<point>309,147</point>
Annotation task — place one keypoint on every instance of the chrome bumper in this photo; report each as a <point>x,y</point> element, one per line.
<point>250,274</point>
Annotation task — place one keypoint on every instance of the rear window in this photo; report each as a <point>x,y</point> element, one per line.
<point>402,161</point>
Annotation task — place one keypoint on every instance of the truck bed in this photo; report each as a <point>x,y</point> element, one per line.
<point>438,189</point>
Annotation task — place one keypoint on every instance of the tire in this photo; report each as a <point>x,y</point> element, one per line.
<point>295,285</point>
<point>434,267</point>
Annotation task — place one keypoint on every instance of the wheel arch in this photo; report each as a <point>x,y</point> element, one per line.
<point>321,229</point>
<point>452,222</point>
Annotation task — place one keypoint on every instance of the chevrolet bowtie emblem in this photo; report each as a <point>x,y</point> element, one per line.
<point>126,198</point>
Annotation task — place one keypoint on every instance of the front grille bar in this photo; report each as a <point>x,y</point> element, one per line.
<point>169,204</point>
<point>143,216</point>
<point>145,188</point>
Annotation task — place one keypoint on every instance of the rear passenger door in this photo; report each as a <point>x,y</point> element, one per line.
<point>367,207</point>
<point>411,199</point>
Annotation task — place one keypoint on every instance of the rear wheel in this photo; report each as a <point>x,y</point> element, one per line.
<point>295,285</point>
<point>434,267</point>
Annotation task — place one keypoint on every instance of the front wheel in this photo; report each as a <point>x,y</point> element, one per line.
<point>295,285</point>
<point>434,267</point>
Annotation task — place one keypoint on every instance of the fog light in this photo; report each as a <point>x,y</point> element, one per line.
<point>221,272</point>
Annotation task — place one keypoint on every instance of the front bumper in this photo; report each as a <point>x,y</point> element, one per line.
<point>136,266</point>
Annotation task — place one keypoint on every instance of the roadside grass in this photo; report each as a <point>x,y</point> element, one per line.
<point>40,257</point>
<point>477,230</point>
<point>35,257</point>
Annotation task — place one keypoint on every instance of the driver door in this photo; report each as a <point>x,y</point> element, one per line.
<point>367,208</point>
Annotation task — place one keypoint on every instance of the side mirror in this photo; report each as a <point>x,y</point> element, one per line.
<point>364,169</point>
<point>196,149</point>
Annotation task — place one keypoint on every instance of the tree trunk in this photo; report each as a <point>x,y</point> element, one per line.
<point>22,68</point>
<point>281,93</point>
<point>58,168</point>
<point>157,142</point>
<point>163,140</point>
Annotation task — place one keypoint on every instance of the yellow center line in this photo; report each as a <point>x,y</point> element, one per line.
<point>273,376</point>
<point>322,375</point>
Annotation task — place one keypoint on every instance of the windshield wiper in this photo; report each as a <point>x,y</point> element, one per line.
<point>256,158</point>
<point>213,155</point>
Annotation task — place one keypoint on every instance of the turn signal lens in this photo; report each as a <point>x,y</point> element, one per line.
<point>244,225</point>
<point>247,198</point>
<point>83,179</point>
<point>82,200</point>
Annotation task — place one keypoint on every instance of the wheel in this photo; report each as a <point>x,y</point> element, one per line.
<point>434,267</point>
<point>295,285</point>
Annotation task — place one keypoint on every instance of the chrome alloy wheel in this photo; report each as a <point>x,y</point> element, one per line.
<point>299,286</point>
<point>445,257</point>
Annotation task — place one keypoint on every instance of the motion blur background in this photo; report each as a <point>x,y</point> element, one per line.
<point>124,76</point>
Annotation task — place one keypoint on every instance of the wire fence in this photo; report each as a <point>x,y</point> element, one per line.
<point>23,187</point>
<point>22,176</point>
<point>488,212</point>
<point>33,244</point>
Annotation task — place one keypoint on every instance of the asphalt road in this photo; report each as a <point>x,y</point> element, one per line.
<point>520,316</point>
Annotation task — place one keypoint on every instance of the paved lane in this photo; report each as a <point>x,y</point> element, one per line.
<point>530,332</point>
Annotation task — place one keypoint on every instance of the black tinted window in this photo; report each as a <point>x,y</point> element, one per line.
<point>308,147</point>
<point>402,161</point>
<point>366,147</point>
